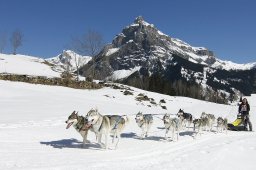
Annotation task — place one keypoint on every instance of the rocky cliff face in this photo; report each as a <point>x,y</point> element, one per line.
<point>142,54</point>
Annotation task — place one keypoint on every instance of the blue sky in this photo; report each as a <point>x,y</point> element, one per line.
<point>228,27</point>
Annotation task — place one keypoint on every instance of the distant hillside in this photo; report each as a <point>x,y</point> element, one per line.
<point>68,60</point>
<point>26,65</point>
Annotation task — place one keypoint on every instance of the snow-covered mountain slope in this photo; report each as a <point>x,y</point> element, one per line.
<point>51,67</point>
<point>68,59</point>
<point>229,65</point>
<point>203,56</point>
<point>143,56</point>
<point>33,134</point>
<point>25,65</point>
<point>142,44</point>
<point>160,45</point>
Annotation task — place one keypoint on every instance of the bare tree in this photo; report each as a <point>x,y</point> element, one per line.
<point>16,40</point>
<point>3,42</point>
<point>88,44</point>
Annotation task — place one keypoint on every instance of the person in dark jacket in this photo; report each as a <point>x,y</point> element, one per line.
<point>244,109</point>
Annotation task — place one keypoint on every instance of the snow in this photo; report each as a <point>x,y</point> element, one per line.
<point>193,57</point>
<point>120,74</point>
<point>159,51</point>
<point>25,65</point>
<point>33,134</point>
<point>161,33</point>
<point>229,65</point>
<point>181,43</point>
<point>111,51</point>
<point>70,58</point>
<point>132,25</point>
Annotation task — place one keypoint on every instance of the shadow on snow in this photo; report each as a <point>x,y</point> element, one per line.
<point>135,136</point>
<point>71,143</point>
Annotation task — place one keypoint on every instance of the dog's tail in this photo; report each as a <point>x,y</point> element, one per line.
<point>125,119</point>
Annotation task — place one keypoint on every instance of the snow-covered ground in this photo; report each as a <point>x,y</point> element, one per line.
<point>33,134</point>
<point>27,65</point>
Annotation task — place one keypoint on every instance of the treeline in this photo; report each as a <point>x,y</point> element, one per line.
<point>179,87</point>
<point>66,82</point>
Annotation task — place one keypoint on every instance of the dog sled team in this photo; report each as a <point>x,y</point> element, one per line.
<point>105,126</point>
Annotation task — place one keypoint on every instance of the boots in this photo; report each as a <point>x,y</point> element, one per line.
<point>250,126</point>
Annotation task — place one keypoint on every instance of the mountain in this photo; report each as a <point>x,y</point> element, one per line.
<point>144,57</point>
<point>68,60</point>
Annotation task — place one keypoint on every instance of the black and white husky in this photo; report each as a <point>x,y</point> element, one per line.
<point>106,125</point>
<point>172,125</point>
<point>186,118</point>
<point>78,123</point>
<point>144,121</point>
<point>222,124</point>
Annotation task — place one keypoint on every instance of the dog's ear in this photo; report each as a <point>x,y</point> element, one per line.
<point>77,113</point>
<point>74,112</point>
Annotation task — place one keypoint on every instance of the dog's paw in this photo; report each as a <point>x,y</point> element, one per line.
<point>103,146</point>
<point>88,141</point>
<point>141,138</point>
<point>84,146</point>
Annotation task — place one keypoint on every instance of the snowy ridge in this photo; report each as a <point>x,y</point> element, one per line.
<point>191,51</point>
<point>25,65</point>
<point>68,58</point>
<point>58,148</point>
<point>229,65</point>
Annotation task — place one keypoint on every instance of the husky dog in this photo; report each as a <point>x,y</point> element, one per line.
<point>117,125</point>
<point>78,123</point>
<point>222,124</point>
<point>211,119</point>
<point>144,121</point>
<point>173,125</point>
<point>106,125</point>
<point>186,118</point>
<point>200,124</point>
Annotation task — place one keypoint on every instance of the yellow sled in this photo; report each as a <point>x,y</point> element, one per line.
<point>237,125</point>
<point>237,122</point>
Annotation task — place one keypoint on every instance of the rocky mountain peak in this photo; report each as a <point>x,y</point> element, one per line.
<point>139,20</point>
<point>143,34</point>
<point>141,52</point>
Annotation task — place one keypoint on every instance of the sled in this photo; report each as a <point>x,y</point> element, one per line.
<point>237,125</point>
